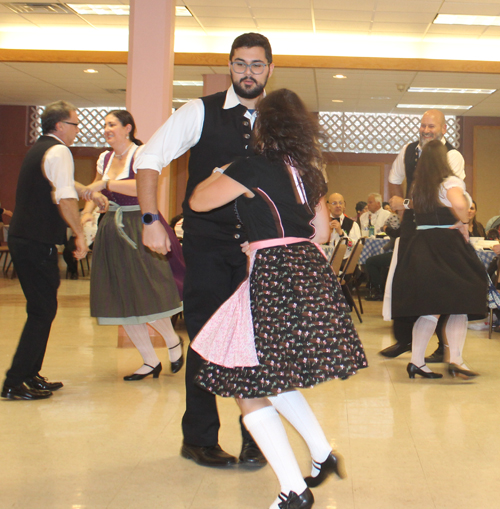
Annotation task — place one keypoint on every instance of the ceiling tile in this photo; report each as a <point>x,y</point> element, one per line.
<point>412,28</point>
<point>219,11</point>
<point>476,9</point>
<point>404,17</point>
<point>409,5</point>
<point>327,14</point>
<point>344,26</point>
<point>262,12</point>
<point>342,5</point>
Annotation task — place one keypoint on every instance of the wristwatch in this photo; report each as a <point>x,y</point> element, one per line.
<point>149,218</point>
<point>406,203</point>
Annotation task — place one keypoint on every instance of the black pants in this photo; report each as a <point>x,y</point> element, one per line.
<point>375,266</point>
<point>403,329</point>
<point>214,269</point>
<point>38,272</point>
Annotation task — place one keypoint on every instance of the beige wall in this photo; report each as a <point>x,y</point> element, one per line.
<point>355,182</point>
<point>486,187</point>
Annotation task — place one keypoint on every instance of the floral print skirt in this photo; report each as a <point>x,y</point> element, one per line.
<point>303,331</point>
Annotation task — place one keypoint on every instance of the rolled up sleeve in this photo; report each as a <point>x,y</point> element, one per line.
<point>59,169</point>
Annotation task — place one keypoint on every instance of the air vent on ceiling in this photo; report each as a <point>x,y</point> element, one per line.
<point>48,8</point>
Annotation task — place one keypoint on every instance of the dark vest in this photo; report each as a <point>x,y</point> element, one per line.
<point>411,158</point>
<point>36,216</point>
<point>225,136</point>
<point>347,224</point>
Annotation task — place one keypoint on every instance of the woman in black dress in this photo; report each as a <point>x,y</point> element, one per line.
<point>440,273</point>
<point>288,325</point>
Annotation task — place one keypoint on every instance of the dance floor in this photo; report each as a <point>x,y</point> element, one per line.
<point>102,443</point>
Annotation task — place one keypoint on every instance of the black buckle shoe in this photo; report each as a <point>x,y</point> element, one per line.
<point>41,383</point>
<point>207,456</point>
<point>24,391</point>
<point>334,464</point>
<point>293,501</point>
<point>176,366</point>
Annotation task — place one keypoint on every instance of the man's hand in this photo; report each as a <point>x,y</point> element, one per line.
<point>101,201</point>
<point>155,238</point>
<point>81,247</point>
<point>335,225</point>
<point>396,203</point>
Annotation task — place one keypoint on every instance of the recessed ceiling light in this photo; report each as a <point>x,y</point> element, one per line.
<point>337,101</point>
<point>435,106</point>
<point>91,71</point>
<point>452,90</point>
<point>182,11</point>
<point>464,19</point>
<point>179,100</point>
<point>188,83</point>
<point>380,98</point>
<point>339,76</point>
<point>100,10</point>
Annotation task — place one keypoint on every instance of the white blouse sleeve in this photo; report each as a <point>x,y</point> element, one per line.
<point>100,162</point>
<point>447,184</point>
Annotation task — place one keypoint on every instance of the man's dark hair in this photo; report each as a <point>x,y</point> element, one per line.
<point>251,40</point>
<point>53,113</point>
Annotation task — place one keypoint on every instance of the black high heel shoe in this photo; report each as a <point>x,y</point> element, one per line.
<point>293,501</point>
<point>415,370</point>
<point>334,464</point>
<point>177,365</point>
<point>136,376</point>
<point>456,370</point>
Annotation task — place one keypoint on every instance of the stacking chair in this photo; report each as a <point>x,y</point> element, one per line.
<point>338,255</point>
<point>347,277</point>
<point>496,282</point>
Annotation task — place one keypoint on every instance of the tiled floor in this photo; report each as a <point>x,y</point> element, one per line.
<point>101,442</point>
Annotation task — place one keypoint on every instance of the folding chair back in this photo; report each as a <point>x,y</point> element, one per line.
<point>338,255</point>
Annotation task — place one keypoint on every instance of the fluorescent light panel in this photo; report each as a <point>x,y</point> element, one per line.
<point>114,10</point>
<point>435,106</point>
<point>452,90</point>
<point>188,83</point>
<point>465,19</point>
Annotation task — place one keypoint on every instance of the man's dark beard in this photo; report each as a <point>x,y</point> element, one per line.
<point>248,94</point>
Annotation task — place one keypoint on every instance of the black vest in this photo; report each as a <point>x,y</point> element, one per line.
<point>225,136</point>
<point>347,224</point>
<point>411,158</point>
<point>36,216</point>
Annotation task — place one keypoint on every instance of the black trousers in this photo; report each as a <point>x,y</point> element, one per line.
<point>375,266</point>
<point>214,269</point>
<point>38,272</point>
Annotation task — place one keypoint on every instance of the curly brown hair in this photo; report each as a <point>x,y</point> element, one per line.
<point>432,169</point>
<point>285,131</point>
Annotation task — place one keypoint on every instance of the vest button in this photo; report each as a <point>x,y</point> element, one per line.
<point>246,146</point>
<point>246,123</point>
<point>238,226</point>
<point>246,136</point>
<point>236,235</point>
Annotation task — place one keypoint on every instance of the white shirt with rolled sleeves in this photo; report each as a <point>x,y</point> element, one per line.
<point>59,168</point>
<point>455,159</point>
<point>378,220</point>
<point>179,133</point>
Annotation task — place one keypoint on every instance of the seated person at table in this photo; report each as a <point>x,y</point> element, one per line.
<point>476,229</point>
<point>386,206</point>
<point>361,208</point>
<point>376,215</point>
<point>341,226</point>
<point>377,266</point>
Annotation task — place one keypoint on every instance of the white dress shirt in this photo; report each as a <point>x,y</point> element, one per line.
<point>377,220</point>
<point>353,235</point>
<point>398,174</point>
<point>59,168</point>
<point>179,133</point>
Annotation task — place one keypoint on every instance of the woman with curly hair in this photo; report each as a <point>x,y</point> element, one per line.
<point>288,325</point>
<point>439,273</point>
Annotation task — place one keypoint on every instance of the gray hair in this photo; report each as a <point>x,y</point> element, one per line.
<point>53,113</point>
<point>377,197</point>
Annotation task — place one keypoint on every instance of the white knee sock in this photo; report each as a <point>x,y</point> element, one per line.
<point>139,335</point>
<point>267,430</point>
<point>422,332</point>
<point>456,332</point>
<point>294,408</point>
<point>172,340</point>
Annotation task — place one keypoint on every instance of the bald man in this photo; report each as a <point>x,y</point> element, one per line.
<point>341,225</point>
<point>432,127</point>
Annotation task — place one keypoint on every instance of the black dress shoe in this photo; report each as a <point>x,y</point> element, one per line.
<point>24,391</point>
<point>415,370</point>
<point>334,464</point>
<point>41,383</point>
<point>437,356</point>
<point>395,350</point>
<point>293,501</point>
<point>177,365</point>
<point>154,371</point>
<point>207,456</point>
<point>251,455</point>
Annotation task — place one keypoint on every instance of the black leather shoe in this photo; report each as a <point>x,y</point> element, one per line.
<point>251,455</point>
<point>293,501</point>
<point>334,464</point>
<point>395,350</point>
<point>212,456</point>
<point>415,370</point>
<point>154,371</point>
<point>41,383</point>
<point>177,365</point>
<point>437,356</point>
<point>24,391</point>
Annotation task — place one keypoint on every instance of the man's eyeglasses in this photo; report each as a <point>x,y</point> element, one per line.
<point>70,123</point>
<point>335,203</point>
<point>255,67</point>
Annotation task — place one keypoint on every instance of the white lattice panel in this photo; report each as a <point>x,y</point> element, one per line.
<point>91,126</point>
<point>377,133</point>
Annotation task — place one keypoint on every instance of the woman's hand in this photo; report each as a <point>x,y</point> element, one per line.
<point>245,248</point>
<point>97,185</point>
<point>101,202</point>
<point>462,228</point>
